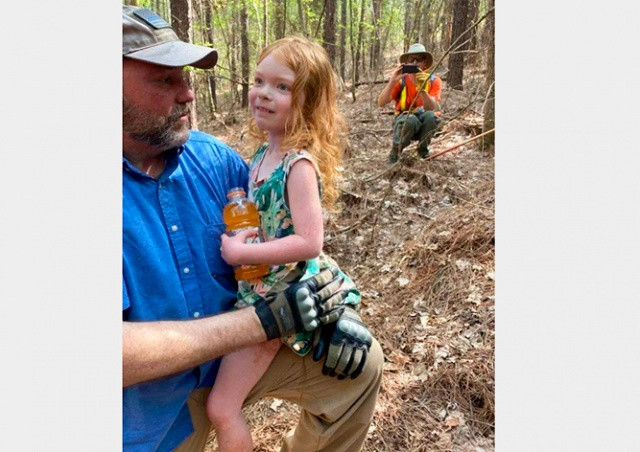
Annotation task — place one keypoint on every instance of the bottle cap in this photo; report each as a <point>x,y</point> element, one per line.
<point>236,191</point>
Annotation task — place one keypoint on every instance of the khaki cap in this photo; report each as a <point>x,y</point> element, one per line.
<point>417,49</point>
<point>148,37</point>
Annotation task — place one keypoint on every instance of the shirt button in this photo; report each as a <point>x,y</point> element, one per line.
<point>186,270</point>
<point>196,314</point>
<point>174,228</point>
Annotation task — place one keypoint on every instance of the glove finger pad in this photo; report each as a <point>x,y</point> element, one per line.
<point>360,368</point>
<point>328,290</point>
<point>345,360</point>
<point>333,355</point>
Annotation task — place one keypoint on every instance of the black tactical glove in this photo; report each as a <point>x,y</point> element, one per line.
<point>294,306</point>
<point>345,343</point>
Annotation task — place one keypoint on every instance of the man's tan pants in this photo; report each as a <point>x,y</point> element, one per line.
<point>335,413</point>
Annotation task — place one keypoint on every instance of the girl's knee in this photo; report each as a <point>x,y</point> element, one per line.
<point>220,411</point>
<point>273,345</point>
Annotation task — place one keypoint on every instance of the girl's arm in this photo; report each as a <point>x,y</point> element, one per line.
<point>306,213</point>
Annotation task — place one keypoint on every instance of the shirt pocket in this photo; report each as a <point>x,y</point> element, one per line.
<point>211,246</point>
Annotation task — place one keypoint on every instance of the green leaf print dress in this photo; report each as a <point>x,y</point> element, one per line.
<point>275,218</point>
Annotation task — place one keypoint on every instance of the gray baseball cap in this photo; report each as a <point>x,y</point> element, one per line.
<point>148,37</point>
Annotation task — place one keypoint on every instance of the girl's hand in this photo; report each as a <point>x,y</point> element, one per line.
<point>234,250</point>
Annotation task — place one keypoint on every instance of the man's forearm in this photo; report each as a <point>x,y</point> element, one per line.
<point>152,350</point>
<point>385,96</point>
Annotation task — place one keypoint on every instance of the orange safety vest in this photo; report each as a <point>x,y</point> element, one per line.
<point>403,91</point>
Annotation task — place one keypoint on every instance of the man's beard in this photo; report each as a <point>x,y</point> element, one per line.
<point>152,129</point>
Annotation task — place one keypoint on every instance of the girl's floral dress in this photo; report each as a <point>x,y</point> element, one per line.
<point>275,218</point>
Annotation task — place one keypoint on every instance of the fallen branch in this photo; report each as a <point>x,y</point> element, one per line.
<point>393,166</point>
<point>371,82</point>
<point>438,154</point>
<point>372,132</point>
<point>380,209</point>
<point>333,234</point>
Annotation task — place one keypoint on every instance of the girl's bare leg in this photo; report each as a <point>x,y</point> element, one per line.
<point>238,374</point>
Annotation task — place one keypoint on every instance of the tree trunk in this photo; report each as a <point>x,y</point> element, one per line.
<point>181,14</point>
<point>472,17</point>
<point>329,32</point>
<point>446,20</point>
<point>458,44</point>
<point>279,17</point>
<point>408,23</point>
<point>265,23</point>
<point>343,38</point>
<point>161,8</point>
<point>489,106</point>
<point>423,32</point>
<point>352,47</point>
<point>302,16</point>
<point>377,35</point>
<point>211,75</point>
<point>383,46</point>
<point>244,36</point>
<point>233,56</point>
<point>356,64</point>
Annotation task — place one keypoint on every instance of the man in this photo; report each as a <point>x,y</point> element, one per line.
<point>176,285</point>
<point>416,94</point>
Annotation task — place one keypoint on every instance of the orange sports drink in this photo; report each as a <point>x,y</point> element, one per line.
<point>240,214</point>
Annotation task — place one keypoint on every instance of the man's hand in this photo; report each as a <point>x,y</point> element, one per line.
<point>421,81</point>
<point>385,96</point>
<point>395,75</point>
<point>294,306</point>
<point>414,78</point>
<point>345,343</point>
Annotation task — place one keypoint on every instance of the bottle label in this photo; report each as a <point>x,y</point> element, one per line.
<point>258,238</point>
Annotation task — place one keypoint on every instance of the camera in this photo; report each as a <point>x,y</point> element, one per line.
<point>410,69</point>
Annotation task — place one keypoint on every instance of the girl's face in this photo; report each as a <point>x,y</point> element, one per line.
<point>270,95</point>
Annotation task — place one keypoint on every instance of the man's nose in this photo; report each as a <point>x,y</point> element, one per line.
<point>185,94</point>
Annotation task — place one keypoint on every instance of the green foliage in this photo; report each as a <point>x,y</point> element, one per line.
<point>225,26</point>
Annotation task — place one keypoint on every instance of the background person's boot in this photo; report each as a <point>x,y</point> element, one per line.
<point>395,152</point>
<point>423,152</point>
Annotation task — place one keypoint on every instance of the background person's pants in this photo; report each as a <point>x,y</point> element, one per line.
<point>335,413</point>
<point>418,127</point>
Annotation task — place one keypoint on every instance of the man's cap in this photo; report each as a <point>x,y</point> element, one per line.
<point>148,37</point>
<point>417,49</point>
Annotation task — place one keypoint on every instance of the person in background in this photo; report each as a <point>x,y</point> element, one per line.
<point>416,94</point>
<point>176,288</point>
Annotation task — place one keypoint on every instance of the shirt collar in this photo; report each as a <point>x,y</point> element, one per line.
<point>171,162</point>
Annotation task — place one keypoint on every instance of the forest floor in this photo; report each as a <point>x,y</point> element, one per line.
<point>417,238</point>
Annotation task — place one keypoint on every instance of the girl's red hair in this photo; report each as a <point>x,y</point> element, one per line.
<point>315,124</point>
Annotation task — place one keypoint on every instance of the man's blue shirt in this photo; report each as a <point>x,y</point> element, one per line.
<point>172,269</point>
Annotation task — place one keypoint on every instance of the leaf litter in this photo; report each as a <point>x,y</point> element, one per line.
<point>418,240</point>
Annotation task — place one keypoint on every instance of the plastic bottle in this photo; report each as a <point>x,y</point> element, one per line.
<point>239,214</point>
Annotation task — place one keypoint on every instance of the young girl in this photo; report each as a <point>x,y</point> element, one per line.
<point>292,176</point>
